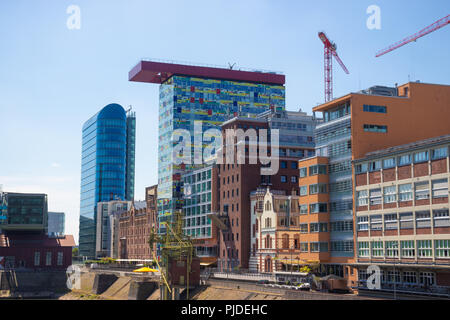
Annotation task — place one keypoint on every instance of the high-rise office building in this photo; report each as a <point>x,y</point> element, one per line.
<point>210,95</point>
<point>107,167</point>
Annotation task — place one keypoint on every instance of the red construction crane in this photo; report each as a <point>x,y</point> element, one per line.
<point>433,27</point>
<point>330,50</point>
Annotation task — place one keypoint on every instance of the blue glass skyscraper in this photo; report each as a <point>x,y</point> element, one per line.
<point>107,167</point>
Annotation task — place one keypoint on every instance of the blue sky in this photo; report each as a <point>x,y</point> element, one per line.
<point>52,79</point>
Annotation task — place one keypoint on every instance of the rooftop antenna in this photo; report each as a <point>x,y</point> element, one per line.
<point>231,65</point>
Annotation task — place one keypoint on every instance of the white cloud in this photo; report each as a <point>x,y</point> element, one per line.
<point>56,165</point>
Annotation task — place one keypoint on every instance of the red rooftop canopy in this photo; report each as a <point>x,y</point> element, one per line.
<point>158,72</point>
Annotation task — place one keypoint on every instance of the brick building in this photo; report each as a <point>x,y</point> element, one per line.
<point>402,215</point>
<point>237,181</point>
<point>136,225</point>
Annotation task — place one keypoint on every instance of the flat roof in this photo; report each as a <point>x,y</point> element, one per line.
<point>158,72</point>
<point>407,147</point>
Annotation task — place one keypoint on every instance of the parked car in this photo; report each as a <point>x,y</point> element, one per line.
<point>263,282</point>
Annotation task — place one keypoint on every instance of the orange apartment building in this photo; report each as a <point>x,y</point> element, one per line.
<point>353,125</point>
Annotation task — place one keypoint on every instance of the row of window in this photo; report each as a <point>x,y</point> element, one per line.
<point>314,208</point>
<point>403,192</point>
<point>314,227</point>
<point>404,249</point>
<point>375,128</point>
<point>48,259</point>
<point>197,199</point>
<point>313,170</point>
<point>405,277</point>
<point>407,159</point>
<point>406,220</point>
<point>284,164</point>
<point>313,189</point>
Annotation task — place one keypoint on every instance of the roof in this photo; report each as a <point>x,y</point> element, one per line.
<point>140,205</point>
<point>407,147</point>
<point>38,241</point>
<point>159,72</point>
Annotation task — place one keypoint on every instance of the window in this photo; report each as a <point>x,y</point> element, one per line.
<point>427,278</point>
<point>304,228</point>
<point>304,247</point>
<point>60,258</point>
<point>318,207</point>
<point>294,165</point>
<point>318,169</point>
<point>440,153</point>
<point>393,276</point>
<point>377,109</point>
<point>424,249</point>
<point>404,160</point>
<point>421,157</point>
<point>441,218</point>
<point>303,190</point>
<point>304,209</point>
<point>375,165</point>
<point>315,246</point>
<point>439,188</point>
<point>293,179</point>
<point>423,219</point>
<point>361,168</point>
<point>283,164</point>
<point>375,197</point>
<point>283,179</point>
<point>389,163</point>
<point>390,221</point>
<point>390,194</point>
<point>422,190</point>
<point>405,192</point>
<point>317,188</point>
<point>362,198</point>
<point>363,249</point>
<point>442,248</point>
<point>363,223</point>
<point>48,259</point>
<point>341,226</point>
<point>376,222</point>
<point>37,258</point>
<point>377,249</point>
<point>409,277</point>
<point>342,246</point>
<point>314,227</point>
<point>406,220</point>
<point>303,172</point>
<point>408,249</point>
<point>391,249</point>
<point>375,128</point>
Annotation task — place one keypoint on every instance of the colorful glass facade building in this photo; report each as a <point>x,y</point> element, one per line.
<point>107,168</point>
<point>210,95</point>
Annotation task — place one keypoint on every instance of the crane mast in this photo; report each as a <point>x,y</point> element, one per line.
<point>329,53</point>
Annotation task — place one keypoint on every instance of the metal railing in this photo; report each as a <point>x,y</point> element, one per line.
<point>194,64</point>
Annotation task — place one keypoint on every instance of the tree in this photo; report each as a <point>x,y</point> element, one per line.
<point>75,252</point>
